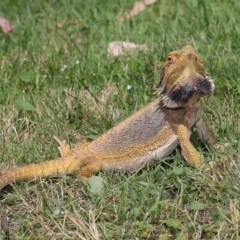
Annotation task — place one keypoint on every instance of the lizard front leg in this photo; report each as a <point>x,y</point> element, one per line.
<point>189,152</point>
<point>205,133</point>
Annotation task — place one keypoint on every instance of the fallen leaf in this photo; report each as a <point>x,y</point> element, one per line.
<point>136,8</point>
<point>23,105</point>
<point>6,25</point>
<point>117,48</point>
<point>96,183</point>
<point>198,206</point>
<point>173,223</point>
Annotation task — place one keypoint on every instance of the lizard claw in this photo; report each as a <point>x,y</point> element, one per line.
<point>206,166</point>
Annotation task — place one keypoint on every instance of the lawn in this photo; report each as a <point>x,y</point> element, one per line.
<point>56,78</point>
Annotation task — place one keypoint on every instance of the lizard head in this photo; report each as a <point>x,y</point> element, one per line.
<point>183,79</point>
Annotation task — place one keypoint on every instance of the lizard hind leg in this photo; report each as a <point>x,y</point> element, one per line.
<point>87,171</point>
<point>63,147</point>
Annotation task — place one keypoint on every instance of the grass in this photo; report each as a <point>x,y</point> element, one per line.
<point>60,81</point>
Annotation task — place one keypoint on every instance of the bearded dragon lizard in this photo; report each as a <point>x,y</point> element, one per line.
<point>152,132</point>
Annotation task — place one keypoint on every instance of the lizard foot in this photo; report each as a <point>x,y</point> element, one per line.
<point>206,166</point>
<point>63,147</point>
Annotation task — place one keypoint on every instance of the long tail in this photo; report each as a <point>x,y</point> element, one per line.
<point>63,165</point>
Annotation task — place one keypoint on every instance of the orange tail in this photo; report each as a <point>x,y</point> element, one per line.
<point>53,167</point>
